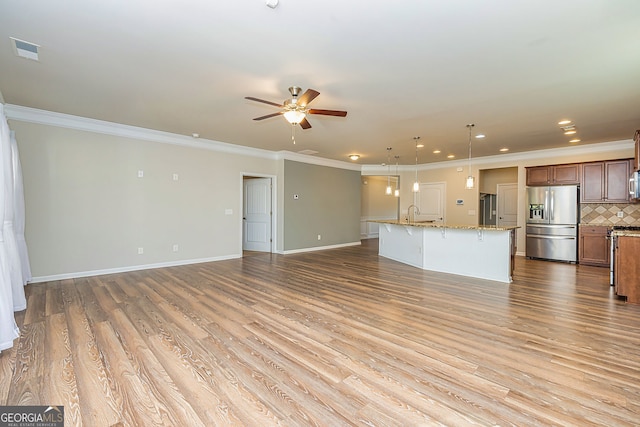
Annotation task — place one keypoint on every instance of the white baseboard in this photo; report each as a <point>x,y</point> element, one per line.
<point>79,274</point>
<point>321,248</point>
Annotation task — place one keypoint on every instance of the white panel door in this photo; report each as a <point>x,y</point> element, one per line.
<point>431,201</point>
<point>507,205</point>
<point>256,235</point>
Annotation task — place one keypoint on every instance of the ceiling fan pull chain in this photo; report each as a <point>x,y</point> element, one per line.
<point>293,133</point>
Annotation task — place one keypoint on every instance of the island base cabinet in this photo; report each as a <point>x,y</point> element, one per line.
<point>401,243</point>
<point>481,253</point>
<point>477,253</point>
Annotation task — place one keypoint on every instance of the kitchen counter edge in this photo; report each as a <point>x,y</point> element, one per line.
<point>439,225</point>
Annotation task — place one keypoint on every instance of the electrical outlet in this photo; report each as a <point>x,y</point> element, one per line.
<point>620,214</point>
<point>140,251</point>
<point>175,176</point>
<point>319,237</point>
<point>140,174</point>
<point>175,248</point>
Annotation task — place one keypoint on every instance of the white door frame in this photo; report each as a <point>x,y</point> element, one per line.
<point>274,206</point>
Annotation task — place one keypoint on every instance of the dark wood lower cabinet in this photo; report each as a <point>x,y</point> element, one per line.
<point>594,246</point>
<point>627,268</point>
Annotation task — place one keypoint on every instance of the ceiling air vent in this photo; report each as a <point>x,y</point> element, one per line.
<point>25,49</point>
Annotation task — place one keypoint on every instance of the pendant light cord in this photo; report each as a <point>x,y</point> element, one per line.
<point>470,126</point>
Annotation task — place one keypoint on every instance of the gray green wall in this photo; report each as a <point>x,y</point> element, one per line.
<point>328,205</point>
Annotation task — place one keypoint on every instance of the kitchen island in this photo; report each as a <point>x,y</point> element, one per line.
<point>485,252</point>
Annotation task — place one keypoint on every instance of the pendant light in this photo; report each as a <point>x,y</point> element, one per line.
<point>470,179</point>
<point>396,193</point>
<point>388,190</point>
<point>416,184</point>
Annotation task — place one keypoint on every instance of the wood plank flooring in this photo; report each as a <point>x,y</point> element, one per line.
<point>330,338</point>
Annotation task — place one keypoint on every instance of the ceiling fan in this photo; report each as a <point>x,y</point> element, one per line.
<point>296,109</point>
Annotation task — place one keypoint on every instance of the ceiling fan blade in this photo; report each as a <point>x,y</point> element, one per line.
<point>328,112</point>
<point>251,98</point>
<point>269,116</point>
<point>304,124</point>
<point>307,97</point>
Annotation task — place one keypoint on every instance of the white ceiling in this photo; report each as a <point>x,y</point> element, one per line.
<point>401,69</point>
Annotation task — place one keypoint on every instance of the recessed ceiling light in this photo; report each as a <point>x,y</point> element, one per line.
<point>504,149</point>
<point>354,156</point>
<point>480,135</point>
<point>564,122</point>
<point>574,140</point>
<point>420,145</point>
<point>436,151</point>
<point>451,156</point>
<point>570,132</point>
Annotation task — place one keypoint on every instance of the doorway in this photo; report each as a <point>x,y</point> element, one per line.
<point>431,201</point>
<point>257,213</point>
<point>507,205</point>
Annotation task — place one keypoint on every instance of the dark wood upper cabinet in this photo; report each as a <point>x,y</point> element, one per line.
<point>605,181</point>
<point>554,175</point>
<point>567,174</point>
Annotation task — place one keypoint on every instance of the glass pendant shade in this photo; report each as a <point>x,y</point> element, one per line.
<point>470,182</point>
<point>396,193</point>
<point>416,187</point>
<point>388,191</point>
<point>294,117</point>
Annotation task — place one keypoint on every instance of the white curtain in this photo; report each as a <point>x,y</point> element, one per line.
<point>12,280</point>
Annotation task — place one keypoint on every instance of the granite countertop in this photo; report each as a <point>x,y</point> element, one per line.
<point>625,233</point>
<point>428,224</point>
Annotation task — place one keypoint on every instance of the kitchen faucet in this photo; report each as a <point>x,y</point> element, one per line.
<point>417,212</point>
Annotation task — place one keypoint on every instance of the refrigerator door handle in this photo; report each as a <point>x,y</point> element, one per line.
<point>551,204</point>
<point>546,204</point>
<point>548,236</point>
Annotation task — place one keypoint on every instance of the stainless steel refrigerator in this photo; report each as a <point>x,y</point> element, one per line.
<point>552,222</point>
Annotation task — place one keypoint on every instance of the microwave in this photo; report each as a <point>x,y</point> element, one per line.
<point>634,186</point>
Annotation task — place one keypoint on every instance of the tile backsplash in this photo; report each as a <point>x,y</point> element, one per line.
<point>607,214</point>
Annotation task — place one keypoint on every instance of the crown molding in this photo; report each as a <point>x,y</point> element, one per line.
<point>320,161</point>
<point>43,117</point>
<point>50,118</point>
<point>511,158</point>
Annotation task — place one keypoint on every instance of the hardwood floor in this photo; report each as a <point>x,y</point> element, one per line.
<point>337,337</point>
